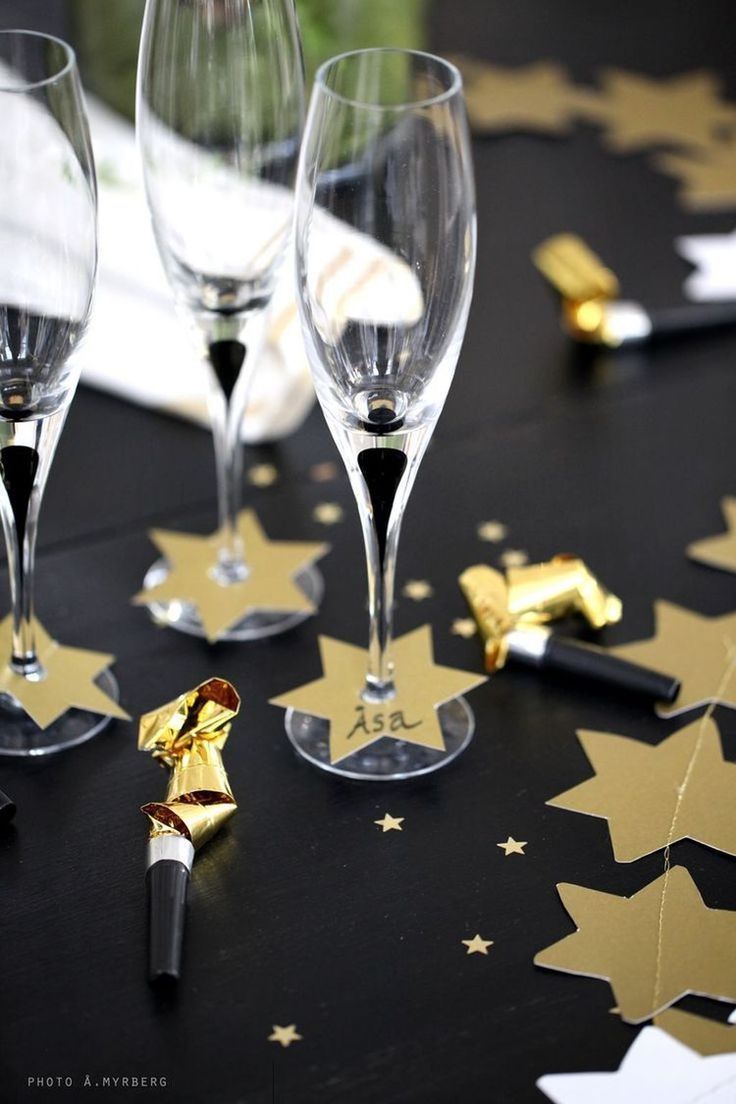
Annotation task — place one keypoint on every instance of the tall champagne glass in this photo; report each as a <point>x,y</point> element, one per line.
<point>219,117</point>
<point>386,151</point>
<point>48,245</point>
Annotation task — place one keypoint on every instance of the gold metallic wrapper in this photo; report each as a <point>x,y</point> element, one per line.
<point>187,735</point>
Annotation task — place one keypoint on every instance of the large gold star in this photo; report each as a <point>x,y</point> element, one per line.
<point>653,947</point>
<point>719,551</point>
<point>270,583</point>
<point>69,681</point>
<point>536,97</point>
<point>653,796</point>
<point>698,650</point>
<point>708,177</point>
<point>641,111</point>
<point>411,716</point>
<point>284,1035</point>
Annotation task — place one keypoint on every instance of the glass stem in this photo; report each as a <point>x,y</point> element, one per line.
<point>381,564</point>
<point>26,451</point>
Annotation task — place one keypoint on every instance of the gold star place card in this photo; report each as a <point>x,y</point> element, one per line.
<point>653,947</point>
<point>269,585</point>
<point>411,716</point>
<point>651,797</point>
<point>698,1032</point>
<point>719,551</point>
<point>698,650</point>
<point>68,682</point>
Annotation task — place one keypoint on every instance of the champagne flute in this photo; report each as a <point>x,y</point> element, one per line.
<point>48,242</point>
<point>219,116</point>
<point>386,151</point>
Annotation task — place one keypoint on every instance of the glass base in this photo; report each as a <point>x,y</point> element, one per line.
<point>386,760</point>
<point>183,616</point>
<point>20,735</point>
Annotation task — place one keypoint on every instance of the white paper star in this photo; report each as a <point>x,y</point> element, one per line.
<point>656,1069</point>
<point>715,258</point>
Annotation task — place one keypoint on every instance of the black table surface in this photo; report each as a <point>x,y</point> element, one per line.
<point>303,911</point>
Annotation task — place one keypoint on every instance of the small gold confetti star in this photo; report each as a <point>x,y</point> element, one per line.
<point>514,557</point>
<point>512,846</point>
<point>615,1011</point>
<point>492,531</point>
<point>465,627</point>
<point>389,823</point>
<point>324,472</point>
<point>418,590</point>
<point>476,945</point>
<point>284,1035</point>
<point>263,475</point>
<point>327,513</point>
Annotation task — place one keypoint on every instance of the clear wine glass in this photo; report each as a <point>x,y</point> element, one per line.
<point>48,243</point>
<point>386,152</point>
<point>220,115</point>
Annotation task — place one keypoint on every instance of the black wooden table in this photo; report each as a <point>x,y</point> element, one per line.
<point>303,911</point>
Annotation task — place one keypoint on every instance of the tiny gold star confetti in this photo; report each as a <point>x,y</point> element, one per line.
<point>465,627</point>
<point>719,551</point>
<point>514,557</point>
<point>417,590</point>
<point>411,716</point>
<point>512,846</point>
<point>269,584</point>
<point>390,824</point>
<point>653,947</point>
<point>324,472</point>
<point>327,513</point>
<point>693,648</point>
<point>492,531</point>
<point>708,177</point>
<point>263,475</point>
<point>476,945</point>
<point>284,1035</point>
<point>641,111</point>
<point>69,682</point>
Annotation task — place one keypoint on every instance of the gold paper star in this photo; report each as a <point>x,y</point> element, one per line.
<point>69,682</point>
<point>417,590</point>
<point>641,111</point>
<point>686,787</point>
<point>327,513</point>
<point>465,627</point>
<point>492,531</point>
<point>512,846</point>
<point>700,1033</point>
<point>476,945</point>
<point>697,650</point>
<point>270,584</point>
<point>719,551</point>
<point>531,97</point>
<point>514,557</point>
<point>263,475</point>
<point>653,947</point>
<point>390,824</point>
<point>324,472</point>
<point>411,716</point>
<point>708,178</point>
<point>285,1035</point>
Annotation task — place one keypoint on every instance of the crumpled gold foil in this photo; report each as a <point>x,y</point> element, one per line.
<point>534,595</point>
<point>187,735</point>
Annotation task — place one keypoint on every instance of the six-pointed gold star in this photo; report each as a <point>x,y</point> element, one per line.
<point>411,716</point>
<point>284,1035</point>
<point>653,947</point>
<point>512,846</point>
<point>328,513</point>
<point>476,945</point>
<point>389,823</point>
<point>697,650</point>
<point>642,111</point>
<point>719,551</point>
<point>465,627</point>
<point>263,475</point>
<point>270,584</point>
<point>492,531</point>
<point>417,590</point>
<point>68,683</point>
<point>537,97</point>
<point>653,796</point>
<point>708,178</point>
